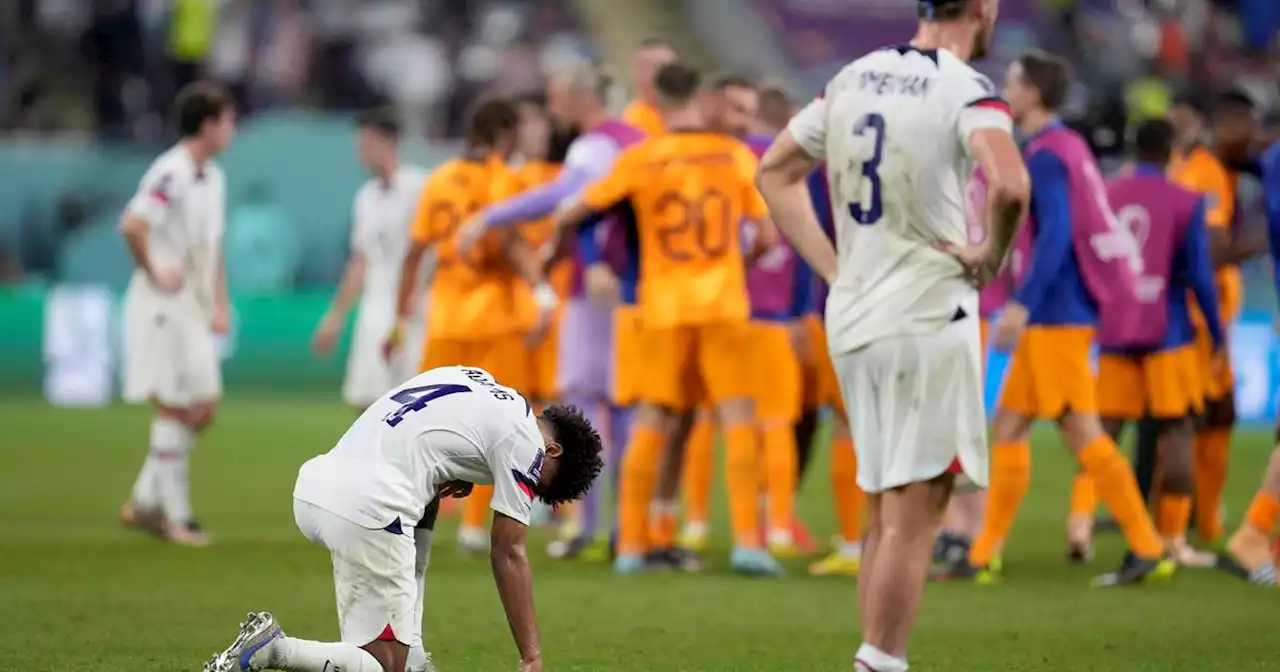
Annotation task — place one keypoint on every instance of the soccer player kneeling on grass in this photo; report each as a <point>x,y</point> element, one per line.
<point>372,502</point>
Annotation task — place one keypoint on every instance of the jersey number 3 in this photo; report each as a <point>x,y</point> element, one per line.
<point>416,398</point>
<point>873,124</point>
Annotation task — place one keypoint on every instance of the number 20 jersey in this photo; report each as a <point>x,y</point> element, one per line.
<point>894,128</point>
<point>448,424</point>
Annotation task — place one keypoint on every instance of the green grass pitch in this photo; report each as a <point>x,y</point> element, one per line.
<point>77,592</point>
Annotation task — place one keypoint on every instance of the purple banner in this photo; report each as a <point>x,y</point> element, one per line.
<point>822,36</point>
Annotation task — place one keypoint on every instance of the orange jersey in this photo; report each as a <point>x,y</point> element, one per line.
<point>690,191</point>
<point>1200,171</point>
<point>531,175</point>
<point>645,117</point>
<point>472,298</point>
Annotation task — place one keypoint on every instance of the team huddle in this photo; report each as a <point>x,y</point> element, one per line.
<point>662,277</point>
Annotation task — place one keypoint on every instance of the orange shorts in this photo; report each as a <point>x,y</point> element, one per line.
<point>1049,373</point>
<point>1166,384</point>
<point>626,354</point>
<point>688,364</point>
<point>502,356</point>
<point>1216,385</point>
<point>542,364</point>
<point>777,372</point>
<point>821,388</point>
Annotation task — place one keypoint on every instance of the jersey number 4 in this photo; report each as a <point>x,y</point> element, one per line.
<point>416,398</point>
<point>870,124</point>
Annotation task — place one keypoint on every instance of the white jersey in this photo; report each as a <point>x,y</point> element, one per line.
<point>382,215</point>
<point>894,128</point>
<point>184,206</point>
<point>448,424</point>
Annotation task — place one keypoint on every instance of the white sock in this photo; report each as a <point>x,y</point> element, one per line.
<point>875,660</point>
<point>301,655</point>
<point>146,489</point>
<point>171,444</point>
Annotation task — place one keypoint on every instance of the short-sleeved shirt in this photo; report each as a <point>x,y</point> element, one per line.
<point>184,206</point>
<point>894,129</point>
<point>448,424</point>
<point>1200,171</point>
<point>382,213</point>
<point>690,191</point>
<point>470,298</point>
<point>645,117</point>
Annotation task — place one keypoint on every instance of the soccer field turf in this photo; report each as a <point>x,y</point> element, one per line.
<point>77,592</point>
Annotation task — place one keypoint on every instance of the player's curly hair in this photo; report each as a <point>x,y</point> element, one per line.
<point>580,463</point>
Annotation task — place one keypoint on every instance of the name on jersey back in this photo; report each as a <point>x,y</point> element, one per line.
<point>888,83</point>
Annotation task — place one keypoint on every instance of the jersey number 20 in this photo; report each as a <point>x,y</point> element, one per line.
<point>870,123</point>
<point>416,398</point>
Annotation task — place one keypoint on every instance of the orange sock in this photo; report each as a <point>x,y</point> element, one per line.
<point>475,508</point>
<point>742,480</point>
<point>637,481</point>
<point>1263,512</point>
<point>1173,514</point>
<point>1118,489</point>
<point>849,498</point>
<point>1212,448</point>
<point>782,465</point>
<point>663,525</point>
<point>1010,478</point>
<point>699,466</point>
<point>1084,497</point>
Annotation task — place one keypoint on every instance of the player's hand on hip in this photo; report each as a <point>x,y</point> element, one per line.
<point>976,260</point>
<point>326,336</point>
<point>168,280</point>
<point>1010,325</point>
<point>602,285</point>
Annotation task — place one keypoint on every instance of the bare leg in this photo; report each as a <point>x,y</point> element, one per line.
<point>1250,545</point>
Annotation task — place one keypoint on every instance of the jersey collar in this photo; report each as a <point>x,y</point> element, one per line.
<point>904,49</point>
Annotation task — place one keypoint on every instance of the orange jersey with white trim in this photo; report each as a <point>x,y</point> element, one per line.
<point>645,117</point>
<point>1202,172</point>
<point>472,297</point>
<point>690,191</point>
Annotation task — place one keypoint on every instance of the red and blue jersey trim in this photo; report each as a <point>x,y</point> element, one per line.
<point>992,103</point>
<point>524,482</point>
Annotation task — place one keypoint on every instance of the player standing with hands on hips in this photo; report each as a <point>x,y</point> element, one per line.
<point>901,129</point>
<point>175,306</point>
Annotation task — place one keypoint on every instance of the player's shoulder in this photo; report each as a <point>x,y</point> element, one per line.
<point>174,166</point>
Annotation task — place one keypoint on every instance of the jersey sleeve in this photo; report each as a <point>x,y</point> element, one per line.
<point>617,185</point>
<point>517,468</point>
<point>1213,183</point>
<point>746,163</point>
<point>427,225</point>
<point>809,128</point>
<point>980,108</point>
<point>158,193</point>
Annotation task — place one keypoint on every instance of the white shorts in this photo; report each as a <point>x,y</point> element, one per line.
<point>372,575</point>
<point>170,354</point>
<point>369,376</point>
<point>916,407</point>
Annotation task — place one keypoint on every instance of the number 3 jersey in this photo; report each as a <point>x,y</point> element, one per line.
<point>894,128</point>
<point>448,424</point>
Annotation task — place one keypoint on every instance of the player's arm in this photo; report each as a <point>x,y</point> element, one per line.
<point>794,154</point>
<point>1225,249</point>
<point>221,296</point>
<point>349,288</point>
<point>524,260</point>
<point>1195,257</point>
<point>582,166</point>
<point>148,210</point>
<point>1052,209</point>
<point>515,584</point>
<point>422,235</point>
<point>986,129</point>
<point>604,193</point>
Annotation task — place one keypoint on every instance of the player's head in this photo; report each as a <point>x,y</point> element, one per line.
<point>775,109</point>
<point>647,60</point>
<point>492,126</point>
<point>206,113</point>
<point>572,460</point>
<point>1036,83</point>
<point>677,88</point>
<point>732,104</point>
<point>1153,142</point>
<point>377,136</point>
<point>1189,116</point>
<point>575,92</point>
<point>1235,122</point>
<point>976,17</point>
<point>534,133</point>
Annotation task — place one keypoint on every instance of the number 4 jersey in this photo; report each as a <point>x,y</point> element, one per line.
<point>448,424</point>
<point>894,128</point>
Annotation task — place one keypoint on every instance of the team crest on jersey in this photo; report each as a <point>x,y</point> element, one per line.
<point>160,191</point>
<point>528,482</point>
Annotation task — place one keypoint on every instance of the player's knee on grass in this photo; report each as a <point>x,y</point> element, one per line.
<point>390,654</point>
<point>1220,413</point>
<point>200,416</point>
